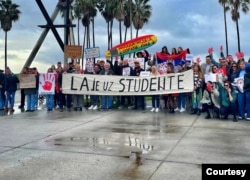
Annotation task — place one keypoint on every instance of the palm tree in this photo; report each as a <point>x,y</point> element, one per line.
<point>8,12</point>
<point>78,16</point>
<point>235,5</point>
<point>225,9</point>
<point>120,16</point>
<point>108,11</point>
<point>141,15</point>
<point>127,20</point>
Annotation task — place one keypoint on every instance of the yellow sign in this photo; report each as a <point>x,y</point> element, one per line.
<point>72,51</point>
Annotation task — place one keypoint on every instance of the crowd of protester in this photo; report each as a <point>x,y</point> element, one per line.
<point>217,99</point>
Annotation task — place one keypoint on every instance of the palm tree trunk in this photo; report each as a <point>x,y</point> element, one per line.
<point>238,35</point>
<point>5,51</point>
<point>108,36</point>
<point>78,30</point>
<point>120,29</point>
<point>225,21</point>
<point>125,34</point>
<point>111,36</point>
<point>83,45</point>
<point>93,31</point>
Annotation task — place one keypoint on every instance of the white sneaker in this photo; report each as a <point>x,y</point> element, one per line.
<point>182,110</point>
<point>95,107</point>
<point>130,107</point>
<point>157,110</point>
<point>153,109</point>
<point>177,109</point>
<point>91,107</point>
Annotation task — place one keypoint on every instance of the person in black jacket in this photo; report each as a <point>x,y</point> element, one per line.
<point>10,87</point>
<point>2,97</point>
<point>246,89</point>
<point>139,100</point>
<point>124,70</point>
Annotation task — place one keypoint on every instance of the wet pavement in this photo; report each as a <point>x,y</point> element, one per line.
<point>116,144</point>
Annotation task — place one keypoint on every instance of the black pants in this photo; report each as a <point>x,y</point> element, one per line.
<point>231,109</point>
<point>22,98</point>
<point>123,98</point>
<point>140,101</point>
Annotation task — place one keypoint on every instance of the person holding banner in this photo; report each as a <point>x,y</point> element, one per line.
<point>171,97</point>
<point>197,92</point>
<point>50,97</point>
<point>124,70</point>
<point>69,97</point>
<point>94,99</point>
<point>78,98</point>
<point>181,98</point>
<point>61,96</point>
<point>139,100</point>
<point>31,92</point>
<point>155,98</point>
<point>106,99</point>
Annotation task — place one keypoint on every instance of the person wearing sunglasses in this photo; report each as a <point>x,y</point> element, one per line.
<point>228,99</point>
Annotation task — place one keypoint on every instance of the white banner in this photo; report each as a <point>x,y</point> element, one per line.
<point>127,85</point>
<point>46,83</point>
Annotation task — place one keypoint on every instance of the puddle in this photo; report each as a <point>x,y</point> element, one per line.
<point>135,143</point>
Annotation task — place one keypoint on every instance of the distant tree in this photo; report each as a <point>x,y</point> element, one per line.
<point>108,10</point>
<point>8,12</point>
<point>225,9</point>
<point>120,16</point>
<point>235,6</point>
<point>127,21</point>
<point>142,13</point>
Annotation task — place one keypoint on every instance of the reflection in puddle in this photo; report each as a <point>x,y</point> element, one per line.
<point>98,142</point>
<point>135,142</point>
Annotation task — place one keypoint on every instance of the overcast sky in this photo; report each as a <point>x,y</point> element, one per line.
<point>194,24</point>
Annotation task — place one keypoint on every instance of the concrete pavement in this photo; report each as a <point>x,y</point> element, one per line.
<point>117,144</point>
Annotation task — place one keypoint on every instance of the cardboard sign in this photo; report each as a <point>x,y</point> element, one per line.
<point>27,81</point>
<point>72,51</point>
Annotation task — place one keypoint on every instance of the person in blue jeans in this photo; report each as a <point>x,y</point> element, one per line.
<point>10,87</point>
<point>106,99</point>
<point>155,98</point>
<point>50,97</point>
<point>241,94</point>
<point>181,98</point>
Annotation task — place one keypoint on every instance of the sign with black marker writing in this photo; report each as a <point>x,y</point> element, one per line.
<point>127,85</point>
